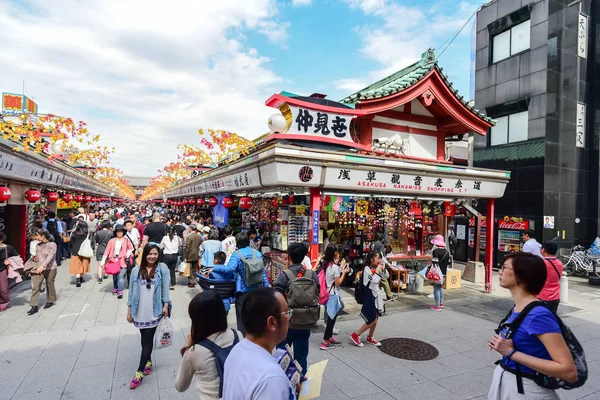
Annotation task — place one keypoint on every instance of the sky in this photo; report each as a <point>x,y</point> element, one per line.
<point>147,74</point>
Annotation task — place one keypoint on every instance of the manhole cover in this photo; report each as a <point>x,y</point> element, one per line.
<point>409,349</point>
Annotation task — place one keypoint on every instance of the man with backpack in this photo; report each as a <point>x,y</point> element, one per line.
<point>55,229</point>
<point>249,267</point>
<point>300,286</point>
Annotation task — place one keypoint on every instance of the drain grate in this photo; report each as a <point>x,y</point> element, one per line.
<point>409,349</point>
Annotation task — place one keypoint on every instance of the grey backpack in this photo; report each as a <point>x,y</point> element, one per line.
<point>302,295</point>
<point>253,268</point>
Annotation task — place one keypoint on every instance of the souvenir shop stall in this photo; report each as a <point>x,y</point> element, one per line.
<point>372,164</point>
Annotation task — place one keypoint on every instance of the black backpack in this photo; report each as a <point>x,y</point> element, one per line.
<point>360,289</point>
<point>540,379</point>
<point>52,227</point>
<point>221,354</point>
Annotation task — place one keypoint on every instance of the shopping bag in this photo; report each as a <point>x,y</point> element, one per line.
<point>333,306</point>
<point>187,268</point>
<point>182,267</point>
<point>85,250</point>
<point>112,268</point>
<point>434,275</point>
<point>164,334</point>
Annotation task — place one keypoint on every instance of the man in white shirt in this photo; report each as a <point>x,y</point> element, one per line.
<point>132,233</point>
<point>530,244</point>
<point>251,372</point>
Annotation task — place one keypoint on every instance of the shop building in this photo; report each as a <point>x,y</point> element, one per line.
<point>537,74</point>
<point>374,163</point>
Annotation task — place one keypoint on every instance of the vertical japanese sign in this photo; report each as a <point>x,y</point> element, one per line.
<point>315,226</point>
<point>580,129</point>
<point>582,36</point>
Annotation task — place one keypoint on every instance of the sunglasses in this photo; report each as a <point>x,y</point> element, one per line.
<point>148,283</point>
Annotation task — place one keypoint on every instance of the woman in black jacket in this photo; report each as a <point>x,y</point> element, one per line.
<point>79,265</point>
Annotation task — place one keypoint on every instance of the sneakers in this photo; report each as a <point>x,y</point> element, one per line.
<point>430,296</point>
<point>137,380</point>
<point>336,331</point>
<point>356,340</point>
<point>435,308</point>
<point>120,294</point>
<point>115,291</point>
<point>373,341</point>
<point>327,346</point>
<point>148,368</point>
<point>393,298</point>
<point>441,305</point>
<point>335,342</point>
<point>100,281</point>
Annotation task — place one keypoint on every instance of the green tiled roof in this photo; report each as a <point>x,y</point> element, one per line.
<point>513,152</point>
<point>404,79</point>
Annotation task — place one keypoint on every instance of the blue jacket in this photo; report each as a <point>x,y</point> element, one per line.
<point>227,301</point>
<point>161,294</point>
<point>236,266</point>
<point>209,247</point>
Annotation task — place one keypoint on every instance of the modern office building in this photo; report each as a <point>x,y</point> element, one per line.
<point>537,74</point>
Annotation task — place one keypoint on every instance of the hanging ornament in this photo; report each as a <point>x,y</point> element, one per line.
<point>87,199</point>
<point>200,202</point>
<point>185,202</point>
<point>67,197</point>
<point>246,203</point>
<point>52,197</point>
<point>33,196</point>
<point>5,194</point>
<point>78,198</point>
<point>227,202</point>
<point>213,201</point>
<point>291,199</point>
<point>274,202</point>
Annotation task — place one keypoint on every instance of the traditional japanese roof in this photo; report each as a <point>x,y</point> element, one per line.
<point>521,151</point>
<point>406,78</point>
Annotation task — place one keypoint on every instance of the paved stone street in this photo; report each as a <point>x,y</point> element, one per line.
<point>84,348</point>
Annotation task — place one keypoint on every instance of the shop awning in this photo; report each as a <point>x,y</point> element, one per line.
<point>279,167</point>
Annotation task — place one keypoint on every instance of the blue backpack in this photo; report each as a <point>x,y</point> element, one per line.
<point>221,354</point>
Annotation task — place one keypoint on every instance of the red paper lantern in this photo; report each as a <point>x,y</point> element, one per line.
<point>33,196</point>
<point>87,199</point>
<point>213,201</point>
<point>52,197</point>
<point>449,209</point>
<point>274,202</point>
<point>67,197</point>
<point>5,194</point>
<point>201,202</point>
<point>78,198</point>
<point>227,202</point>
<point>186,202</point>
<point>246,203</point>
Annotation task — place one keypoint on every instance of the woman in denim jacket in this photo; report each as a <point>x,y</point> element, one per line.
<point>148,303</point>
<point>207,251</point>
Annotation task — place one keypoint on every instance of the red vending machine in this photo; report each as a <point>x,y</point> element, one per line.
<point>510,236</point>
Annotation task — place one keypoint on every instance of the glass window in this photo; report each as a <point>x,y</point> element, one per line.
<point>518,126</point>
<point>501,46</point>
<point>519,37</point>
<point>499,134</point>
<point>511,42</point>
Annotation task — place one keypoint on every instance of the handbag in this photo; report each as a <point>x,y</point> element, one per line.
<point>66,239</point>
<point>85,250</point>
<point>333,306</point>
<point>181,268</point>
<point>112,268</point>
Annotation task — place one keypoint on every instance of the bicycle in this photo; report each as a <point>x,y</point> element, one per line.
<point>579,261</point>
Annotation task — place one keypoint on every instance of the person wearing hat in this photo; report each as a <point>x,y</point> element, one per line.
<point>119,250</point>
<point>442,255</point>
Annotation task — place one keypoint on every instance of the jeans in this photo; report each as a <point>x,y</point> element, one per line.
<point>385,284</point>
<point>119,280</point>
<point>147,346</point>
<point>171,261</point>
<point>298,338</point>
<point>438,295</point>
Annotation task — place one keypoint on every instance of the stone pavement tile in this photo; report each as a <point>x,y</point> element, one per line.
<point>573,321</point>
<point>45,375</point>
<point>463,386</point>
<point>435,334</point>
<point>98,350</point>
<point>429,391</point>
<point>352,383</point>
<point>6,343</point>
<point>591,388</point>
<point>166,371</point>
<point>329,391</point>
<point>455,344</point>
<point>169,393</point>
<point>398,377</point>
<point>379,396</point>
<point>64,345</point>
<point>460,364</point>
<point>591,348</point>
<point>50,394</point>
<point>9,387</point>
<point>586,332</point>
<point>484,355</point>
<point>433,369</point>
<point>594,367</point>
<point>90,383</point>
<point>483,375</point>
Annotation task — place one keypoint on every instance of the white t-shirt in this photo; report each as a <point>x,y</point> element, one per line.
<point>332,272</point>
<point>228,247</point>
<point>251,373</point>
<point>306,262</point>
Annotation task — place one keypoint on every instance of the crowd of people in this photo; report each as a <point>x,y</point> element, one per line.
<point>146,249</point>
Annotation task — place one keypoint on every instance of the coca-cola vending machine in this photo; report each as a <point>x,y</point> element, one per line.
<point>510,237</point>
<point>482,236</point>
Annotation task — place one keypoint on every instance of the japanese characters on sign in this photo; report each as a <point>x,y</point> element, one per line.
<point>580,126</point>
<point>320,124</point>
<point>343,178</point>
<point>17,103</point>
<point>315,227</point>
<point>242,180</point>
<point>582,36</point>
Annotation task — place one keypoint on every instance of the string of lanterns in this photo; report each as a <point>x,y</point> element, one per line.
<point>245,203</point>
<point>34,196</point>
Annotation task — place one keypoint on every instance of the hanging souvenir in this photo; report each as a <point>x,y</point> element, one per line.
<point>362,207</point>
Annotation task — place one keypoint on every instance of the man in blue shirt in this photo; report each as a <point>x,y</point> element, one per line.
<point>236,266</point>
<point>56,230</point>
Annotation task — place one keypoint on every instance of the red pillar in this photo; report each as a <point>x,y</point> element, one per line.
<point>489,246</point>
<point>315,213</point>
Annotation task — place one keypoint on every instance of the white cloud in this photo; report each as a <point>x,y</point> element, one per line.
<point>143,74</point>
<point>403,32</point>
<point>351,84</point>
<point>300,3</point>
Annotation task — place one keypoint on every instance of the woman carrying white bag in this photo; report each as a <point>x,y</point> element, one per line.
<point>148,303</point>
